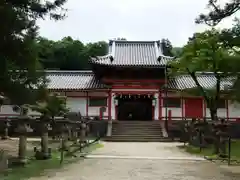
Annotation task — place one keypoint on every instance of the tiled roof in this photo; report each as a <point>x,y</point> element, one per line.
<point>73,80</point>
<point>86,80</point>
<point>133,53</point>
<point>206,80</point>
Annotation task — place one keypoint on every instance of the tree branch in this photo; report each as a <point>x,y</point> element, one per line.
<point>204,94</point>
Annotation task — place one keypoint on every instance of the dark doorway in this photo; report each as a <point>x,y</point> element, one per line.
<point>135,107</point>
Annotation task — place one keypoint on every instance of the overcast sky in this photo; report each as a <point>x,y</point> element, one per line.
<point>96,20</point>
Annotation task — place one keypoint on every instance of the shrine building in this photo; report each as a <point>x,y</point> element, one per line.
<point>130,82</point>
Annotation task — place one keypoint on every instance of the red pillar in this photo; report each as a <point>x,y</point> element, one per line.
<point>204,108</point>
<point>227,109</point>
<point>100,113</point>
<point>109,105</point>
<point>182,107</point>
<point>160,105</point>
<point>87,102</point>
<point>169,115</point>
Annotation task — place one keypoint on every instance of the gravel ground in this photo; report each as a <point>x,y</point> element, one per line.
<point>141,161</point>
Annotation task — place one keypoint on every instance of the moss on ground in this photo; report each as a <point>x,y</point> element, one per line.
<point>39,167</point>
<point>235,150</point>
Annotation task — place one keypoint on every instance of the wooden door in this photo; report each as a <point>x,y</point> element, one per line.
<point>193,108</point>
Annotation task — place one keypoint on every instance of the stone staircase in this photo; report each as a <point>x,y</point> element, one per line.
<point>136,131</point>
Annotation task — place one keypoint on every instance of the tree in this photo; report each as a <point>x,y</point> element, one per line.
<point>53,106</point>
<point>19,75</point>
<point>68,54</point>
<point>18,45</point>
<point>205,52</point>
<point>218,13</point>
<point>177,51</point>
<point>166,46</point>
<point>97,49</point>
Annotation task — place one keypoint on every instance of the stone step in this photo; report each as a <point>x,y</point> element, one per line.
<point>160,139</point>
<point>142,135</point>
<point>137,127</point>
<point>136,131</point>
<point>140,124</point>
<point>137,135</point>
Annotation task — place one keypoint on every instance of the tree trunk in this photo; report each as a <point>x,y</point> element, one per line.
<point>22,149</point>
<point>216,144</point>
<point>213,113</point>
<point>83,134</point>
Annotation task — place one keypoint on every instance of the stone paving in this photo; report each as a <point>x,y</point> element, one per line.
<point>141,161</point>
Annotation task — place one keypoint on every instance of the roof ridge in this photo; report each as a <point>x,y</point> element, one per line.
<point>132,41</point>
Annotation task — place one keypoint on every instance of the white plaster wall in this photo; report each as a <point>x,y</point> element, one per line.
<point>94,111</point>
<point>222,113</point>
<point>176,112</point>
<point>7,110</point>
<point>76,104</point>
<point>234,109</point>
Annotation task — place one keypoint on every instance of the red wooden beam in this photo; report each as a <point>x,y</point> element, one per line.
<point>135,87</point>
<point>134,92</point>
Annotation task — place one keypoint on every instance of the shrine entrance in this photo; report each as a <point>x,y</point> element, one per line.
<point>135,107</point>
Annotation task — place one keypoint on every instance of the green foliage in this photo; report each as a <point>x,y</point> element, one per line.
<point>18,52</point>
<point>166,46</point>
<point>218,12</point>
<point>54,105</point>
<point>177,51</point>
<point>68,54</point>
<point>206,52</point>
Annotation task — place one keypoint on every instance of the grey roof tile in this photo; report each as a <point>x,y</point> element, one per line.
<point>133,53</point>
<point>86,80</point>
<point>206,80</point>
<point>73,80</point>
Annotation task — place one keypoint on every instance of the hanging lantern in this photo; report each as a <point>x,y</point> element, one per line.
<point>129,96</point>
<point>154,102</point>
<point>115,102</point>
<point>149,95</point>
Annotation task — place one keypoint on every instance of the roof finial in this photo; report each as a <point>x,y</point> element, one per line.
<point>156,49</point>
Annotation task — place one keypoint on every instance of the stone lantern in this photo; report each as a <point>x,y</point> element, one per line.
<point>22,130</point>
<point>83,129</point>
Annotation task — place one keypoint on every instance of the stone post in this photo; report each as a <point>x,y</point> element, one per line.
<point>6,127</point>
